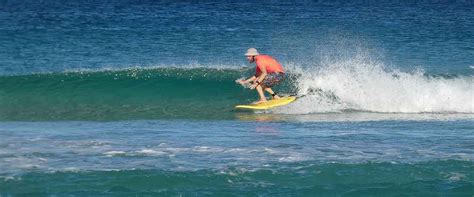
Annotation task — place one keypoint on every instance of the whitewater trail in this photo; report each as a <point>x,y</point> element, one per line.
<point>362,84</point>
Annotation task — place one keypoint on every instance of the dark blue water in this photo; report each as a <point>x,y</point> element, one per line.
<point>136,98</point>
<point>57,35</point>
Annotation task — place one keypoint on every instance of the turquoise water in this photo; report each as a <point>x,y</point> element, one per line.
<point>137,98</point>
<point>183,157</point>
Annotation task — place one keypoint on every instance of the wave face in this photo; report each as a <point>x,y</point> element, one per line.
<point>125,94</point>
<point>210,93</point>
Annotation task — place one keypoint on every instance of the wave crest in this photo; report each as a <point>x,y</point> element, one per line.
<point>363,84</point>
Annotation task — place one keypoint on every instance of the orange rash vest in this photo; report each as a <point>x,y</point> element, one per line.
<point>266,61</point>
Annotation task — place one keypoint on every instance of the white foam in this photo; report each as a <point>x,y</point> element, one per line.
<point>115,153</point>
<point>10,178</point>
<point>363,84</point>
<point>455,176</point>
<point>135,68</point>
<point>150,152</point>
<point>293,157</point>
<point>202,149</point>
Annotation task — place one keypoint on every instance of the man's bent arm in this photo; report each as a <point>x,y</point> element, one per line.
<point>250,79</point>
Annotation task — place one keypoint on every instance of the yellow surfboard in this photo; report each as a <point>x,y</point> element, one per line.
<point>269,104</point>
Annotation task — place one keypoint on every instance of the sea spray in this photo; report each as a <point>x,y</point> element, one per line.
<point>363,84</point>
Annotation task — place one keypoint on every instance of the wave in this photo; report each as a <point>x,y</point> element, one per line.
<point>122,94</point>
<point>210,93</point>
<point>362,84</point>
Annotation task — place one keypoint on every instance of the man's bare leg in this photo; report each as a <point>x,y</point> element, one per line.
<point>269,90</point>
<point>261,94</point>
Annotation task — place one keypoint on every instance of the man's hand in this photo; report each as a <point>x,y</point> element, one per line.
<point>254,85</point>
<point>240,81</point>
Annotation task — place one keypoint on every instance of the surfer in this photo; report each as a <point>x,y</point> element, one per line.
<point>268,73</point>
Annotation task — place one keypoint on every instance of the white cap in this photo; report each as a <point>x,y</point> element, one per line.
<point>252,52</point>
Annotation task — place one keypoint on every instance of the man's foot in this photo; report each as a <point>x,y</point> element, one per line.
<point>276,97</point>
<point>259,102</point>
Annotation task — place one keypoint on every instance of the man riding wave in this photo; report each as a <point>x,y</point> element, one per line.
<point>268,73</point>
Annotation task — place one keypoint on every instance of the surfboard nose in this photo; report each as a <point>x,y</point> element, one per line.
<point>269,104</point>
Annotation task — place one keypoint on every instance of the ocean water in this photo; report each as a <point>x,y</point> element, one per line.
<point>135,98</point>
